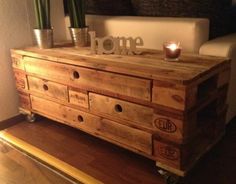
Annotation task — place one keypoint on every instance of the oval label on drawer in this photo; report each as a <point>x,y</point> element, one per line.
<point>165,125</point>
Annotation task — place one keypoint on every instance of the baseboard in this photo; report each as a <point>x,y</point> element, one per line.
<point>11,121</point>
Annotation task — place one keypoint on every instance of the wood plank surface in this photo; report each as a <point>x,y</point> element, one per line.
<point>79,98</point>
<point>149,65</point>
<point>48,88</point>
<point>121,109</point>
<point>20,80</point>
<point>89,79</point>
<point>137,140</point>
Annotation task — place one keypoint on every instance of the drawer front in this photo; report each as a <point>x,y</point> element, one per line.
<point>48,88</point>
<point>21,81</point>
<point>78,98</point>
<point>121,109</point>
<point>90,79</point>
<point>120,134</point>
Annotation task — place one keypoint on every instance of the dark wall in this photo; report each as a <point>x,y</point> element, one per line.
<point>219,12</point>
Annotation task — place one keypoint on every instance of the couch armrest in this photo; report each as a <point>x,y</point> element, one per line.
<point>223,46</point>
<point>226,47</point>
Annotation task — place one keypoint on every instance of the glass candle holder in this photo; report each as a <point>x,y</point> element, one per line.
<point>172,51</point>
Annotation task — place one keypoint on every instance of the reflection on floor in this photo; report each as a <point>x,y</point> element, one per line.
<point>16,168</point>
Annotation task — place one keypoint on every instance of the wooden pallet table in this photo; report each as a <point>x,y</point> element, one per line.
<point>170,112</point>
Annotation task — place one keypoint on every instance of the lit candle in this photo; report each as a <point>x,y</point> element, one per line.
<point>172,51</point>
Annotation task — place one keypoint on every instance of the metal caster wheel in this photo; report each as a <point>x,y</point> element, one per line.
<point>170,178</point>
<point>30,118</point>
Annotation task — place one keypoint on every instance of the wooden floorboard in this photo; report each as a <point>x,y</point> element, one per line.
<point>114,165</point>
<point>18,168</point>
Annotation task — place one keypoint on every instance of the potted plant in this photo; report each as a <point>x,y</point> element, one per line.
<point>43,31</point>
<point>78,28</point>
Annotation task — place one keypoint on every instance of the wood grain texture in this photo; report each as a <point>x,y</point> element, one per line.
<point>137,140</point>
<point>21,80</point>
<point>121,109</point>
<point>184,156</point>
<point>24,101</point>
<point>17,61</point>
<point>48,88</point>
<point>79,98</point>
<point>89,79</point>
<point>181,128</point>
<point>149,65</point>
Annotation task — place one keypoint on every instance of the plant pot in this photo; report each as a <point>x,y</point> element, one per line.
<point>44,38</point>
<point>79,36</point>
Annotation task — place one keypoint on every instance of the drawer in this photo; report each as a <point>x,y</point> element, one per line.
<point>121,109</point>
<point>110,130</point>
<point>78,98</point>
<point>90,79</point>
<point>21,80</point>
<point>48,88</point>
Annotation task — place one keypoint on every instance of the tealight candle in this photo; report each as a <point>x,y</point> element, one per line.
<point>172,51</point>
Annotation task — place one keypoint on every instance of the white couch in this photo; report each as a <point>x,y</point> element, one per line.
<point>193,34</point>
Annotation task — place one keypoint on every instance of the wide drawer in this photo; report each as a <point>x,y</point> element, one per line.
<point>48,88</point>
<point>113,107</point>
<point>90,79</point>
<point>120,134</point>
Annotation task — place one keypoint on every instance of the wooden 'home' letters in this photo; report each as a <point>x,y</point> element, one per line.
<point>114,45</point>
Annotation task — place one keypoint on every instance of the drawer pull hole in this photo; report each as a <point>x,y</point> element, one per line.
<point>80,119</point>
<point>76,75</point>
<point>118,108</point>
<point>45,87</point>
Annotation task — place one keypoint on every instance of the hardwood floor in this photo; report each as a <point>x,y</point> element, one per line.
<point>16,168</point>
<point>114,165</point>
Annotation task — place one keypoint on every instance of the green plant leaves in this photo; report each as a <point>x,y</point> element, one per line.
<point>42,14</point>
<point>76,9</point>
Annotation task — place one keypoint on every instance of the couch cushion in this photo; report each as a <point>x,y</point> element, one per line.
<point>191,32</point>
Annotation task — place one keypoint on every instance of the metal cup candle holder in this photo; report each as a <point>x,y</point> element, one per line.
<point>172,51</point>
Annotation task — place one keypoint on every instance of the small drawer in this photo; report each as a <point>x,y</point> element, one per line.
<point>92,80</point>
<point>121,109</point>
<point>21,80</point>
<point>48,88</point>
<point>110,130</point>
<point>78,98</point>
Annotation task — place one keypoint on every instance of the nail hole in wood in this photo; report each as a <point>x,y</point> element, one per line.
<point>76,75</point>
<point>80,119</point>
<point>118,108</point>
<point>45,87</point>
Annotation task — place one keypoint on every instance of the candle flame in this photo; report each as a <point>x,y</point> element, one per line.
<point>172,46</point>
